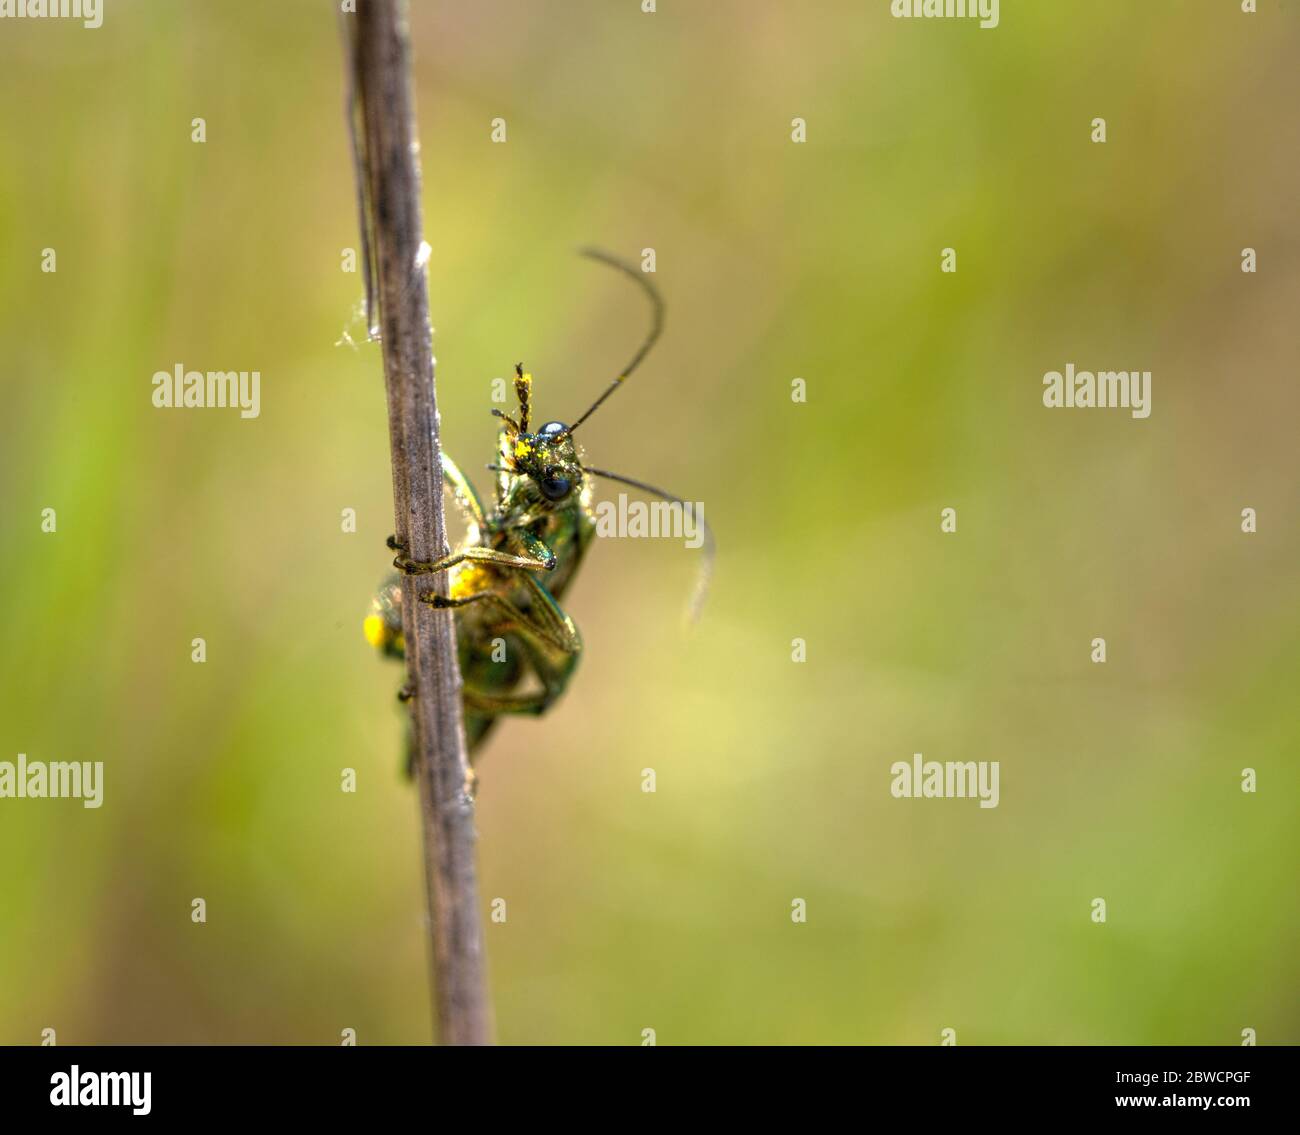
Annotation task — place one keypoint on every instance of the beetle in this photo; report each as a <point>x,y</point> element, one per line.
<point>518,649</point>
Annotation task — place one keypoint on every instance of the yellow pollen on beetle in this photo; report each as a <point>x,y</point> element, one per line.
<point>466,580</point>
<point>373,628</point>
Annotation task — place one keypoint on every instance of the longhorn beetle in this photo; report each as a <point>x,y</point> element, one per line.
<point>518,648</point>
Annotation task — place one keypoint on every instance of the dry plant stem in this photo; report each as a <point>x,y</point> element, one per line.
<point>391,184</point>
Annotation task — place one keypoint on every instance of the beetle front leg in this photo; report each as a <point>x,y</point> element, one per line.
<point>408,566</point>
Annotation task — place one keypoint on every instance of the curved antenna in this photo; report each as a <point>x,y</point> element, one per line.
<point>656,326</point>
<point>710,548</point>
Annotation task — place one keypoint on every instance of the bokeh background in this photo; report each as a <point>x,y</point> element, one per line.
<point>669,911</point>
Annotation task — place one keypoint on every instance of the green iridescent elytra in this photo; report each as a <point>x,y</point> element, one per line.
<point>517,647</point>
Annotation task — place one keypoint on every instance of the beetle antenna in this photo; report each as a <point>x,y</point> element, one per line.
<point>524,391</point>
<point>509,421</point>
<point>710,548</point>
<point>656,325</point>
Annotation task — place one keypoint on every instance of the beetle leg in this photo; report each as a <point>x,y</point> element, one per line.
<point>545,622</point>
<point>552,671</point>
<point>409,566</point>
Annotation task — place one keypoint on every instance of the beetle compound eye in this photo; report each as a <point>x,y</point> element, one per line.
<point>552,431</point>
<point>554,485</point>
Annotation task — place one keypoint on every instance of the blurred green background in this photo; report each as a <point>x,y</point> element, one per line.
<point>669,911</point>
